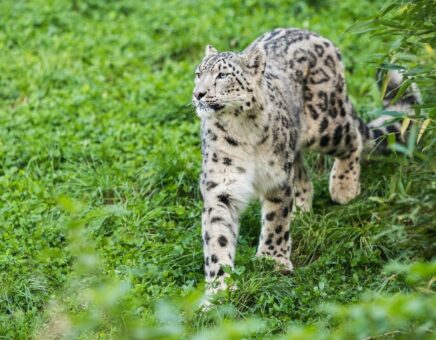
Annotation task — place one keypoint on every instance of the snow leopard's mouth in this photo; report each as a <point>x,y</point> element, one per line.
<point>205,106</point>
<point>216,106</point>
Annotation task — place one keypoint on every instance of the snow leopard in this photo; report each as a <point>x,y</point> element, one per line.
<point>261,110</point>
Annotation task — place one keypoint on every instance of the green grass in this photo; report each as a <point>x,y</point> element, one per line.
<point>99,164</point>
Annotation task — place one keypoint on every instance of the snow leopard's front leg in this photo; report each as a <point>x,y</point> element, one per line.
<point>303,186</point>
<point>275,240</point>
<point>225,192</point>
<point>220,231</point>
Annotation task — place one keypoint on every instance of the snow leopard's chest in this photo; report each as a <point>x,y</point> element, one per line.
<point>245,155</point>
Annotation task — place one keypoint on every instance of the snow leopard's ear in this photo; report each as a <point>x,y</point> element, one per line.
<point>210,50</point>
<point>255,60</point>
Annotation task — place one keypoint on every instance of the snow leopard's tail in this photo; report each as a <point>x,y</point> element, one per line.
<point>376,131</point>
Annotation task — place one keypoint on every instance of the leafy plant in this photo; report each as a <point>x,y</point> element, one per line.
<point>412,25</point>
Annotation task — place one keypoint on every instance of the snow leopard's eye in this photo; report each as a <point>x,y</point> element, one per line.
<point>197,75</point>
<point>222,75</point>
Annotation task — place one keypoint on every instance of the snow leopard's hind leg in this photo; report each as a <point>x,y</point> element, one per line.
<point>344,178</point>
<point>344,184</point>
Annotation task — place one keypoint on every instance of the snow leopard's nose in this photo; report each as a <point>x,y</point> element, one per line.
<point>199,94</point>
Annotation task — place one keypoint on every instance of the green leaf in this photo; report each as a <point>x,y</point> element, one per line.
<point>403,87</point>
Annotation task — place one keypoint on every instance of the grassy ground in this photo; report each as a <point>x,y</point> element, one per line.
<point>99,151</point>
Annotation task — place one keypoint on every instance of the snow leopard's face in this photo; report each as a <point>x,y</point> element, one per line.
<point>224,83</point>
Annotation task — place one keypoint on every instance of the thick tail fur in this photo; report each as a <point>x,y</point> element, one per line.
<point>376,131</point>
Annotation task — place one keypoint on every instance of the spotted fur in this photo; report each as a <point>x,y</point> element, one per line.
<point>260,111</point>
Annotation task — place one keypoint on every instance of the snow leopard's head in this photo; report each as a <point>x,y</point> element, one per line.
<point>225,81</point>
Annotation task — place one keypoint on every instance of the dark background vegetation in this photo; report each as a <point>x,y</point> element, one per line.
<point>99,163</point>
